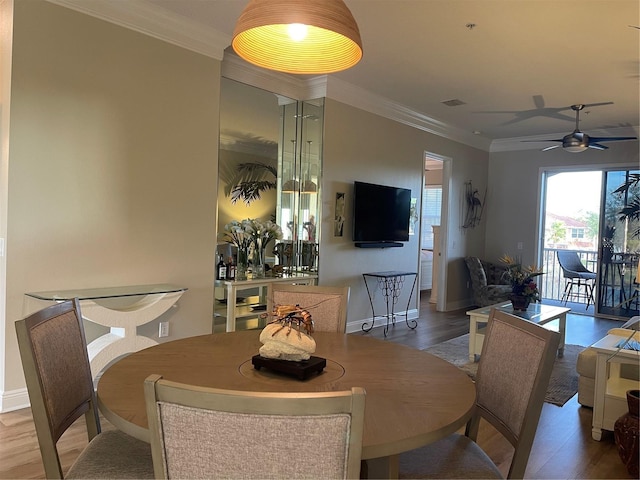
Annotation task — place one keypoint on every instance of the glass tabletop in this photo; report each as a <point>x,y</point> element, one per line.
<point>107,292</point>
<point>535,312</point>
<point>388,274</point>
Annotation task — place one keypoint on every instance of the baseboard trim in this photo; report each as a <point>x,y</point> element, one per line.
<point>14,400</point>
<point>356,325</point>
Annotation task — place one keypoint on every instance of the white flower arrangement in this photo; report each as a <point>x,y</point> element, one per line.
<point>264,232</point>
<point>251,232</point>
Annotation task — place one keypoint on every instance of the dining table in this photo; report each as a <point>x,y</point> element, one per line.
<point>413,398</point>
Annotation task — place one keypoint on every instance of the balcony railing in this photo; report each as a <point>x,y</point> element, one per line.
<point>552,283</point>
<point>619,293</point>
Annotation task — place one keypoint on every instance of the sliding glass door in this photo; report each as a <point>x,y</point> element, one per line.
<point>593,215</point>
<point>619,247</point>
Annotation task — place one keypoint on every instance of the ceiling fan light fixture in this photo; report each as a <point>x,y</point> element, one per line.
<point>298,36</point>
<point>575,148</point>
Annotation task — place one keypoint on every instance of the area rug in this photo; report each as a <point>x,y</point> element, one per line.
<point>564,378</point>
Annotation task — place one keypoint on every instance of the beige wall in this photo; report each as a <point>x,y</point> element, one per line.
<point>514,191</point>
<point>112,166</point>
<point>365,147</point>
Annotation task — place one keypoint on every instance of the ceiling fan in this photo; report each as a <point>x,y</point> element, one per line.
<point>577,141</point>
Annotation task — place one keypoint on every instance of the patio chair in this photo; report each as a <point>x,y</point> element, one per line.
<point>56,368</point>
<point>199,432</point>
<point>327,305</point>
<point>576,276</point>
<point>513,376</point>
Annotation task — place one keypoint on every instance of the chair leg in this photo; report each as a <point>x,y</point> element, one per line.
<point>589,289</point>
<point>567,291</point>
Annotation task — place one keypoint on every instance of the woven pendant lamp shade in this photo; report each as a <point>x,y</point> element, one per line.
<point>332,42</point>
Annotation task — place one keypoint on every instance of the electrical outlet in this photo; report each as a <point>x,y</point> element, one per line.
<point>519,245</point>
<point>163,330</point>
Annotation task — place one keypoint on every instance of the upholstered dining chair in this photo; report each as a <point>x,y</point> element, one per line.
<point>58,376</point>
<point>327,305</point>
<point>199,432</point>
<point>513,376</point>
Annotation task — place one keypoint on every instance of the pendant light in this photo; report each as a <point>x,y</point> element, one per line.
<point>291,186</point>
<point>298,36</point>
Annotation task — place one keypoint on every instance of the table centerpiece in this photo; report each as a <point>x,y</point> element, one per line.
<point>524,289</point>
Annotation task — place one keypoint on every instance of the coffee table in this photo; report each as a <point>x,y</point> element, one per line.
<point>536,313</point>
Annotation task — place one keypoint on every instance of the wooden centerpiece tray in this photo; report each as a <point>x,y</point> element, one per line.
<point>301,370</point>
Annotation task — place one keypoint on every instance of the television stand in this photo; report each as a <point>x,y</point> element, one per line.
<point>390,283</point>
<point>378,244</point>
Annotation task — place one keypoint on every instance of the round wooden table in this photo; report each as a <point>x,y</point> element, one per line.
<point>413,397</point>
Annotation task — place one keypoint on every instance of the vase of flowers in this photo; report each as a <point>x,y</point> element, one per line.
<point>262,233</point>
<point>240,234</point>
<point>524,289</point>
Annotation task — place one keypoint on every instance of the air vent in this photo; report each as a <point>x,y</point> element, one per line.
<point>453,103</point>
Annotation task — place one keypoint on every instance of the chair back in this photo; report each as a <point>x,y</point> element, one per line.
<point>513,375</point>
<point>327,305</point>
<point>570,263</point>
<point>199,432</point>
<point>58,376</point>
<point>476,272</point>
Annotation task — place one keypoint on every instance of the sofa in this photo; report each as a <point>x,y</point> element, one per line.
<point>586,368</point>
<point>488,281</point>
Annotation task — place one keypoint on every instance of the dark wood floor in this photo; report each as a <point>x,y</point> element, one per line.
<point>563,447</point>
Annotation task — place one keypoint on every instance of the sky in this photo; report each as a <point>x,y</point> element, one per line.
<point>574,193</point>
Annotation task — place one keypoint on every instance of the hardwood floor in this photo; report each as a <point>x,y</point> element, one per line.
<point>563,447</point>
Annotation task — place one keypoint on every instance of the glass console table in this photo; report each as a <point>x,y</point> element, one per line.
<point>121,309</point>
<point>390,283</point>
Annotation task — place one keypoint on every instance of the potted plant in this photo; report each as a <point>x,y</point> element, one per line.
<point>524,289</point>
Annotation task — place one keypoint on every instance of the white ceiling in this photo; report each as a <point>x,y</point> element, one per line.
<point>526,61</point>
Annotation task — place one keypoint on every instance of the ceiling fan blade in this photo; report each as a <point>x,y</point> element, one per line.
<point>550,148</point>
<point>547,140</point>
<point>597,104</point>
<point>538,101</point>
<point>597,146</point>
<point>611,139</point>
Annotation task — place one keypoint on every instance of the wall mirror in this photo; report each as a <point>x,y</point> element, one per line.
<point>270,165</point>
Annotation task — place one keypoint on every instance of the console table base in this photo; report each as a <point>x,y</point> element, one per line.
<point>390,283</point>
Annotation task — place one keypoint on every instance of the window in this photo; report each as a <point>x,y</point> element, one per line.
<point>431,208</point>
<point>577,233</point>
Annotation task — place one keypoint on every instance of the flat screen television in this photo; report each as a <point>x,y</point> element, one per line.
<point>381,215</point>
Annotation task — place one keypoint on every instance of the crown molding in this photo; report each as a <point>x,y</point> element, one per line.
<point>155,22</point>
<point>360,98</point>
<point>142,17</point>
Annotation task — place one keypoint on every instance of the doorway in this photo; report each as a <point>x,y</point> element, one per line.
<point>433,229</point>
<point>590,213</point>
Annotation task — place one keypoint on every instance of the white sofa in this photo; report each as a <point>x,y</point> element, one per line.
<point>586,368</point>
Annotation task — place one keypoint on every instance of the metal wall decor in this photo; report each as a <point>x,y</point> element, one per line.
<point>474,206</point>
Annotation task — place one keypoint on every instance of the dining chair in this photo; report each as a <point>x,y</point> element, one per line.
<point>60,386</point>
<point>199,432</point>
<point>327,305</point>
<point>511,382</point>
